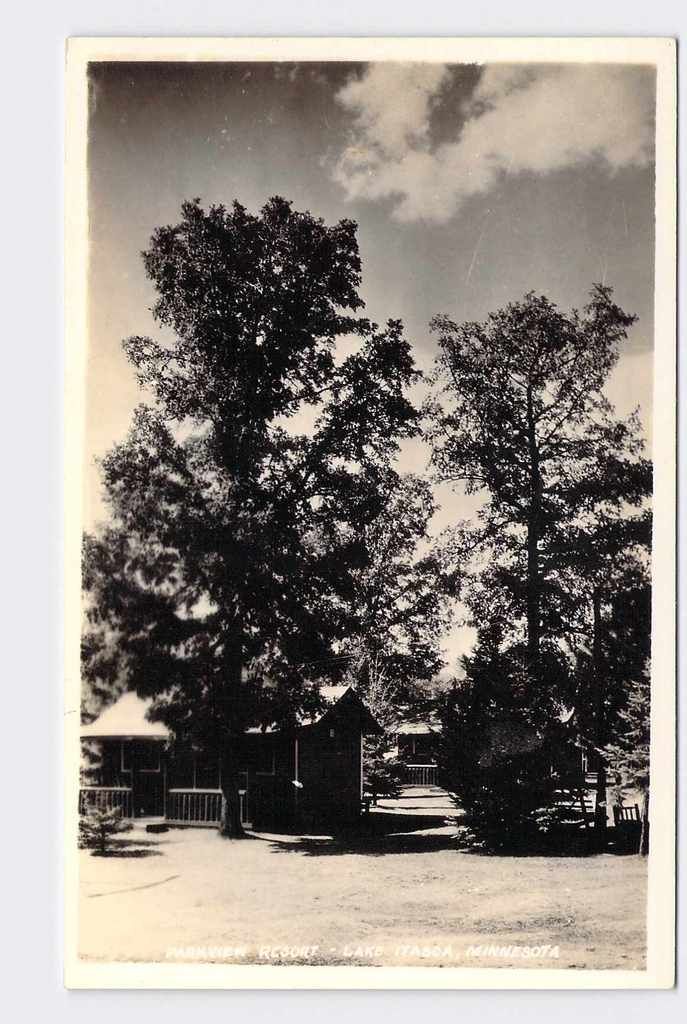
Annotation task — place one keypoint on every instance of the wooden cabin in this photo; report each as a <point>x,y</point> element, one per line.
<point>305,779</point>
<point>417,747</point>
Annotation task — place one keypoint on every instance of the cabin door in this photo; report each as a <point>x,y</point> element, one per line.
<point>142,759</point>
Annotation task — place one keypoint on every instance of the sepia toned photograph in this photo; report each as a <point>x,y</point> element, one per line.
<point>371,632</point>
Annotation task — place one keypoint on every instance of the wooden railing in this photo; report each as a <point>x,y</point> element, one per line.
<point>198,806</point>
<point>420,775</point>
<point>105,798</point>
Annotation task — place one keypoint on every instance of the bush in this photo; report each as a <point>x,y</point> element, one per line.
<point>497,761</point>
<point>97,827</point>
<point>467,839</point>
<point>382,772</point>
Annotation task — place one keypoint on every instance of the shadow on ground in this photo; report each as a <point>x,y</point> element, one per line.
<point>414,823</point>
<point>127,851</point>
<point>370,846</point>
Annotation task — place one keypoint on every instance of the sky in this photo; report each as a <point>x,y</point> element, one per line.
<point>471,185</point>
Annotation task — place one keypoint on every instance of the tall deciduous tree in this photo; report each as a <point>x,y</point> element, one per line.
<point>223,581</point>
<point>401,611</point>
<point>400,595</point>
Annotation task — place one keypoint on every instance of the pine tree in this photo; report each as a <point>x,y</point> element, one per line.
<point>629,756</point>
<point>519,416</point>
<point>97,826</point>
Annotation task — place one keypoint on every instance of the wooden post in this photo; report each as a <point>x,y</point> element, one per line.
<point>295,779</point>
<point>644,833</point>
<point>600,806</point>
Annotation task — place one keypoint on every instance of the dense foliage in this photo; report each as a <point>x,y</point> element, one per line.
<point>98,827</point>
<point>261,539</point>
<point>253,498</point>
<point>520,417</point>
<point>629,755</point>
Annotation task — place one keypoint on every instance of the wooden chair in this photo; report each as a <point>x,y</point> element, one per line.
<point>630,812</point>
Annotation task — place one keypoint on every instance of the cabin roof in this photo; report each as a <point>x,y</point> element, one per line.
<point>127,718</point>
<point>334,697</point>
<point>426,728</point>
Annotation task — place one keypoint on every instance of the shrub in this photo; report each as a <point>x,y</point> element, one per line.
<point>382,772</point>
<point>467,839</point>
<point>97,827</point>
<point>496,761</point>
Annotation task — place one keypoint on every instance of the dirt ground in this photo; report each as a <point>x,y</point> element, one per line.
<point>399,893</point>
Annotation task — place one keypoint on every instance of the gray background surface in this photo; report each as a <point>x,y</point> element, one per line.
<point>31,418</point>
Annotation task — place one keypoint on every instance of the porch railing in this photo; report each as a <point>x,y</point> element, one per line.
<point>420,775</point>
<point>105,798</point>
<point>199,806</point>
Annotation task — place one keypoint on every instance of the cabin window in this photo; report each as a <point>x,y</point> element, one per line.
<point>180,767</point>
<point>207,771</point>
<point>192,769</point>
<point>145,756</point>
<point>264,759</point>
<point>148,757</point>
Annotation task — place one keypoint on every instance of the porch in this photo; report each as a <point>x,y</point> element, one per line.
<point>420,774</point>
<point>183,807</point>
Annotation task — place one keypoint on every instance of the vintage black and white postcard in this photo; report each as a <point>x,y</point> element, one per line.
<point>370,537</point>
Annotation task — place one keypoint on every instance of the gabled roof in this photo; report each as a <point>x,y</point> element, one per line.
<point>427,728</point>
<point>331,696</point>
<point>335,699</point>
<point>126,719</point>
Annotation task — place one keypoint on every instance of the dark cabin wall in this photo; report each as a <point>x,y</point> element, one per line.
<point>269,775</point>
<point>103,763</point>
<point>329,768</point>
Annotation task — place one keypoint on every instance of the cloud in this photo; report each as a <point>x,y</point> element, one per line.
<point>391,105</point>
<point>528,118</point>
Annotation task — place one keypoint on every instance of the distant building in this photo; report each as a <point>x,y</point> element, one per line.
<point>417,747</point>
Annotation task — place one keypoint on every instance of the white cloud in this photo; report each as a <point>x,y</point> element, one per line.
<point>391,104</point>
<point>529,118</point>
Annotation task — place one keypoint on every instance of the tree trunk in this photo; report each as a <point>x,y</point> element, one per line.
<point>533,586</point>
<point>230,823</point>
<point>644,833</point>
<point>600,806</point>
